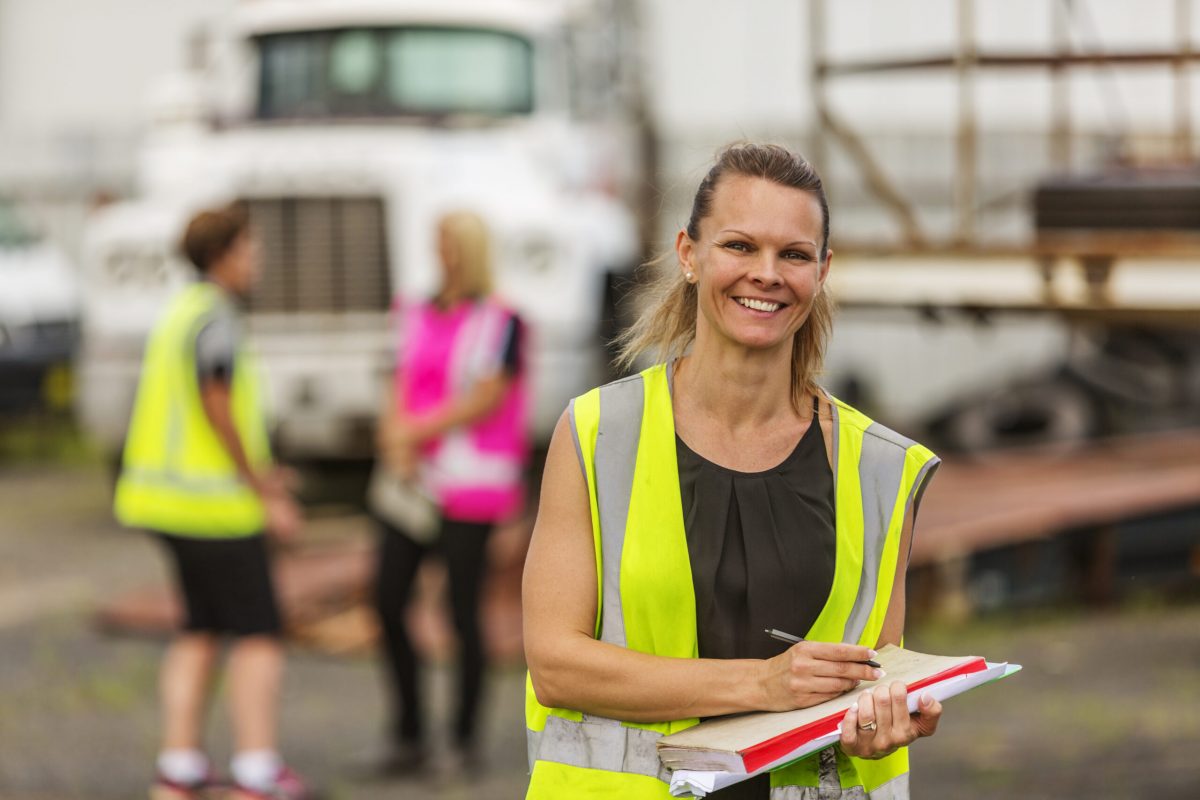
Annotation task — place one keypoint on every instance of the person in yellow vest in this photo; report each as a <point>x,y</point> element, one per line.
<point>688,508</point>
<point>197,473</point>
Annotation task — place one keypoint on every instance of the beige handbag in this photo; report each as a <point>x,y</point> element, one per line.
<point>403,504</point>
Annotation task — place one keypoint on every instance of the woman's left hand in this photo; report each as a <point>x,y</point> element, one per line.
<point>879,723</point>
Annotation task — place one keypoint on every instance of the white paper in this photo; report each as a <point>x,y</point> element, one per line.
<point>698,783</point>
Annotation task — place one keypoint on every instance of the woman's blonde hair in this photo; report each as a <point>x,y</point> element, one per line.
<point>666,325</point>
<point>470,235</point>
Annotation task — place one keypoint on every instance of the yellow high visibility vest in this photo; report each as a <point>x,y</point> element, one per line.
<point>625,436</point>
<point>177,476</point>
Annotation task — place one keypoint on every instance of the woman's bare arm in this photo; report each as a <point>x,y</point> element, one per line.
<point>479,401</point>
<point>893,621</point>
<point>571,669</point>
<point>484,396</point>
<point>884,711</point>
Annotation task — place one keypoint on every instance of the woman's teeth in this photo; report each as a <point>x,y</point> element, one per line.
<point>757,305</point>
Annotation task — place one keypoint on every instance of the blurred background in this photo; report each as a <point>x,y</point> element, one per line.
<point>1015,203</point>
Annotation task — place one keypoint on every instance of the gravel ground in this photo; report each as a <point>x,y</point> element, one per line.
<point>1105,707</point>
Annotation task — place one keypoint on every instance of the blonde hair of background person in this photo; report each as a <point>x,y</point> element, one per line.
<point>465,255</point>
<point>742,397</point>
<point>463,242</point>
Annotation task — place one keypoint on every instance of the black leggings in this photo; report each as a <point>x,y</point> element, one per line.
<point>463,545</point>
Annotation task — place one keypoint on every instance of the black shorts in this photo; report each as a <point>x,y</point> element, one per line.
<point>226,585</point>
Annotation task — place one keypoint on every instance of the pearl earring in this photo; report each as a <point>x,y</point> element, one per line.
<point>689,276</point>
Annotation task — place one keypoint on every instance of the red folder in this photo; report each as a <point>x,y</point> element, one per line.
<point>764,753</point>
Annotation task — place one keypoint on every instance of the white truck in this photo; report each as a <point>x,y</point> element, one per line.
<point>348,127</point>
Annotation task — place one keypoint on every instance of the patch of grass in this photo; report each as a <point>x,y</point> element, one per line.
<point>989,629</point>
<point>107,692</point>
<point>120,687</point>
<point>994,777</point>
<point>111,684</point>
<point>44,438</point>
<point>1045,622</point>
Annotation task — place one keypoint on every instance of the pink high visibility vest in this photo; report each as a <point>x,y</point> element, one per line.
<point>475,472</point>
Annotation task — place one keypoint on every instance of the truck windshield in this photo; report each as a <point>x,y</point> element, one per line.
<point>390,72</point>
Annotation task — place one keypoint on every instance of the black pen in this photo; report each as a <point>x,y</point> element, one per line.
<point>790,639</point>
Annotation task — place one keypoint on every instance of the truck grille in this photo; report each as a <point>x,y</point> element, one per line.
<point>321,254</point>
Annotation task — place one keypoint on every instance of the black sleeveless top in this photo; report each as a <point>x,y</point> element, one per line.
<point>762,547</point>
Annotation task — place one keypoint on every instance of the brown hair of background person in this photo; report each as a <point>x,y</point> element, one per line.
<point>668,324</point>
<point>210,234</point>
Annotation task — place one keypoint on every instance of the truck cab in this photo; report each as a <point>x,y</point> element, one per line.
<point>348,127</point>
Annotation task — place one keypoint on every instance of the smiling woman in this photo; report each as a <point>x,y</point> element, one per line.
<point>771,208</point>
<point>690,507</point>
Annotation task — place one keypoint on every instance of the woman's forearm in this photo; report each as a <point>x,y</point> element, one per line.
<point>483,399</point>
<point>611,681</point>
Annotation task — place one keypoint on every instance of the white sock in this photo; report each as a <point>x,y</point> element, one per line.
<point>256,769</point>
<point>185,767</point>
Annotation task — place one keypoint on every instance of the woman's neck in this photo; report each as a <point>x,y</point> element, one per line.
<point>448,298</point>
<point>735,387</point>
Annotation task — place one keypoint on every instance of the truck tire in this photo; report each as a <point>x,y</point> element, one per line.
<point>1055,411</point>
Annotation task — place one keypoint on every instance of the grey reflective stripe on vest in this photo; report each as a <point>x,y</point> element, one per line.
<point>173,479</point>
<point>605,745</point>
<point>895,789</point>
<point>533,745</point>
<point>817,793</point>
<point>475,352</point>
<point>598,742</point>
<point>616,454</point>
<point>880,470</point>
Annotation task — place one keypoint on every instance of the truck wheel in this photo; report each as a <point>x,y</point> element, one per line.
<point>1054,412</point>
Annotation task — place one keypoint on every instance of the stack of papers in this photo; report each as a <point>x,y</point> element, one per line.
<point>720,752</point>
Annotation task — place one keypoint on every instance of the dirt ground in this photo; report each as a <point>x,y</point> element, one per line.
<point>1106,706</point>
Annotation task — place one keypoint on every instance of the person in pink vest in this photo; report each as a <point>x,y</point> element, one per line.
<point>456,426</point>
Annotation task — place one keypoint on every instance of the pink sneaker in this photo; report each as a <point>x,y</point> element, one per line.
<point>165,789</point>
<point>288,786</point>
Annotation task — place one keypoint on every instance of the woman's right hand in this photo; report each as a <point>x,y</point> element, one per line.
<point>813,672</point>
<point>283,517</point>
<point>402,460</point>
<point>400,455</point>
<point>396,447</point>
